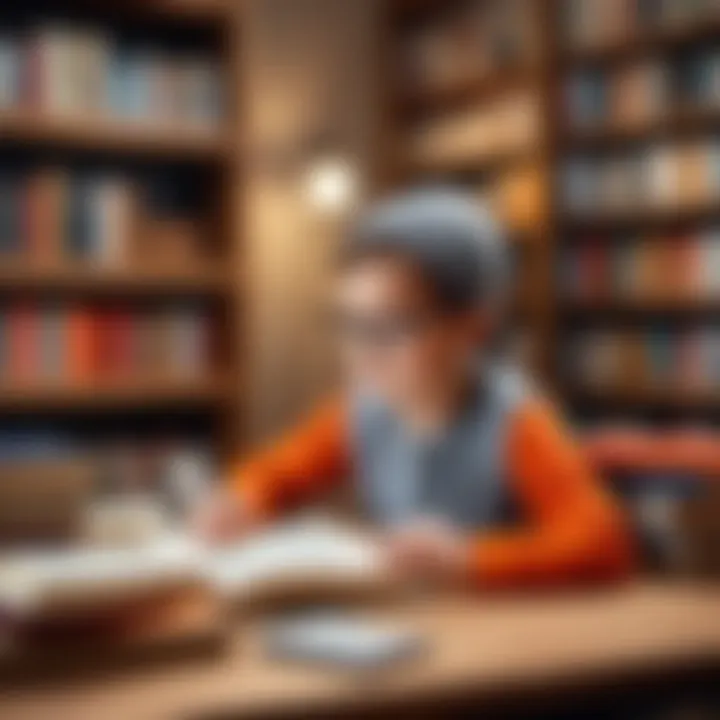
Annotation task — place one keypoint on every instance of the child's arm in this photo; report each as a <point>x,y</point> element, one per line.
<point>308,460</point>
<point>575,531</point>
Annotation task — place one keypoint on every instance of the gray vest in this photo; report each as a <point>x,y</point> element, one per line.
<point>460,477</point>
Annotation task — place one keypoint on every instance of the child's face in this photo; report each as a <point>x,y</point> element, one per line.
<point>395,340</point>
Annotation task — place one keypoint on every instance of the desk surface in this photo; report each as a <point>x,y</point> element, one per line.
<point>483,645</point>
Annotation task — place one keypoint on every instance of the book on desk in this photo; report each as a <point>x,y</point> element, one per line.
<point>169,595</point>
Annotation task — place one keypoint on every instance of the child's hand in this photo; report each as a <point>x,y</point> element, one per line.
<point>223,517</point>
<point>429,551</point>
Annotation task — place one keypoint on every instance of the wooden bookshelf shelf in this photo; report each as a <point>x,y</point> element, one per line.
<point>113,136</point>
<point>135,394</point>
<point>497,148</point>
<point>402,10</point>
<point>192,10</point>
<point>481,89</point>
<point>580,223</point>
<point>646,398</point>
<point>204,12</point>
<point>484,163</point>
<point>638,307</point>
<point>420,33</point>
<point>81,184</point>
<point>139,280</point>
<point>681,125</point>
<point>660,42</point>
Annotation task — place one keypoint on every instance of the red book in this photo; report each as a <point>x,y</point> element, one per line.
<point>23,341</point>
<point>43,219</point>
<point>82,346</point>
<point>31,89</point>
<point>114,344</point>
<point>678,271</point>
<point>594,269</point>
<point>103,363</point>
<point>692,262</point>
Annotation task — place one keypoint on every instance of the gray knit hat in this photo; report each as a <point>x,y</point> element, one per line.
<point>455,241</point>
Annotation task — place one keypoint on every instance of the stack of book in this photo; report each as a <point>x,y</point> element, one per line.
<point>490,130</point>
<point>667,176</point>
<point>643,92</point>
<point>67,345</point>
<point>83,72</point>
<point>54,215</point>
<point>589,23</point>
<point>659,358</point>
<point>472,41</point>
<point>665,268</point>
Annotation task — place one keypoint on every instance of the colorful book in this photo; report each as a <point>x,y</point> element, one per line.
<point>82,345</point>
<point>23,343</point>
<point>9,72</point>
<point>11,220</point>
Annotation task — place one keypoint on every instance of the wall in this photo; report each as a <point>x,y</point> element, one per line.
<point>309,65</point>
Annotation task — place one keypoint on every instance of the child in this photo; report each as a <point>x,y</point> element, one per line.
<point>467,471</point>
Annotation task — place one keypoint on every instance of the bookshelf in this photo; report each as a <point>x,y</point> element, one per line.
<point>659,41</point>
<point>136,394</point>
<point>117,137</point>
<point>172,172</point>
<point>467,91</point>
<point>654,348</point>
<point>583,54</point>
<point>678,125</point>
<point>96,281</point>
<point>495,95</point>
<point>646,401</point>
<point>483,162</point>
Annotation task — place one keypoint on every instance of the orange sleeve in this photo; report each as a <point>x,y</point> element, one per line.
<point>575,531</point>
<point>308,460</point>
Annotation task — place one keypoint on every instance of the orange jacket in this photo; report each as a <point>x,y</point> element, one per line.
<point>574,531</point>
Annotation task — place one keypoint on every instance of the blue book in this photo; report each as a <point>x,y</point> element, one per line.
<point>138,94</point>
<point>10,216</point>
<point>9,72</point>
<point>4,348</point>
<point>25,445</point>
<point>662,355</point>
<point>120,88</point>
<point>78,219</point>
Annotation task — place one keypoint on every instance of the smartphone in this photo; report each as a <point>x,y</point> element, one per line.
<point>340,640</point>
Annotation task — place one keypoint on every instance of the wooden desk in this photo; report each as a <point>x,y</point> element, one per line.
<point>481,649</point>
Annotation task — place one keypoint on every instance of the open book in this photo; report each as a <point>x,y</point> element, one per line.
<point>311,551</point>
<point>302,554</point>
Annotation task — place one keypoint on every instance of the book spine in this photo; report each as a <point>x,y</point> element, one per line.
<point>23,342</point>
<point>4,347</point>
<point>79,225</point>
<point>9,73</point>
<point>11,224</point>
<point>117,360</point>
<point>51,344</point>
<point>82,339</point>
<point>45,210</point>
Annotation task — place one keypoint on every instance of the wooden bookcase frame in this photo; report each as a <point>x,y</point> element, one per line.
<point>220,394</point>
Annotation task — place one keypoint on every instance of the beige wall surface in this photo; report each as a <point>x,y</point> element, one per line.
<point>308,69</point>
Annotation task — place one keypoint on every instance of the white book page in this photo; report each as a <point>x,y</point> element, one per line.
<point>312,548</point>
<point>41,582</point>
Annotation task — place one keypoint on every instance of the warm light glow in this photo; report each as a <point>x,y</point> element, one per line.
<point>331,184</point>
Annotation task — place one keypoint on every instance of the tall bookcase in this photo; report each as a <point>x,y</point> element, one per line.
<point>196,163</point>
<point>670,308</point>
<point>505,93</point>
<point>587,108</point>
